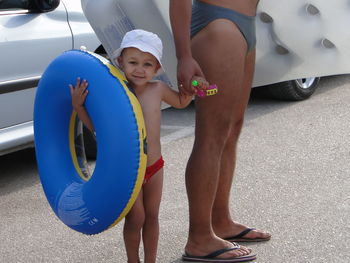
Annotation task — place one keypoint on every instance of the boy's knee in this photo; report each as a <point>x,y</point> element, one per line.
<point>136,221</point>
<point>152,217</point>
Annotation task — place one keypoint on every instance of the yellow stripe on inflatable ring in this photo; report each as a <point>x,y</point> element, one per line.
<point>142,134</point>
<point>78,201</point>
<point>72,136</point>
<point>142,137</point>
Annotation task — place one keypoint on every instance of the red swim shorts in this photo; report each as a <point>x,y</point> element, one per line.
<point>152,169</point>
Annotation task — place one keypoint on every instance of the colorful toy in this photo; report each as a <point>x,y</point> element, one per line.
<point>212,90</point>
<point>87,204</point>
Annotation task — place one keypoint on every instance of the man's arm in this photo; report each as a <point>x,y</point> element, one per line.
<point>180,17</point>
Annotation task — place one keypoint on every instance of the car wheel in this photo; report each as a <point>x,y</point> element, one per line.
<point>298,89</point>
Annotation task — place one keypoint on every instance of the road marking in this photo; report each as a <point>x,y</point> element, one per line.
<point>182,133</point>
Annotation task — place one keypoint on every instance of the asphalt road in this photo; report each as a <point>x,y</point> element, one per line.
<point>292,179</point>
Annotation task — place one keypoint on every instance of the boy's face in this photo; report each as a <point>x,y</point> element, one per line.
<point>139,67</point>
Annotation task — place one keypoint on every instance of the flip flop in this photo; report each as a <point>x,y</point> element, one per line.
<point>240,237</point>
<point>212,257</point>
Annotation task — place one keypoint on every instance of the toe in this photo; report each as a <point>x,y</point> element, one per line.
<point>261,234</point>
<point>246,250</point>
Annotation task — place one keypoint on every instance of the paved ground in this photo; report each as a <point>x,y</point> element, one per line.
<point>292,179</point>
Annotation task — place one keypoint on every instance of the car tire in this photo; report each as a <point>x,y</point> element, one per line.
<point>293,90</point>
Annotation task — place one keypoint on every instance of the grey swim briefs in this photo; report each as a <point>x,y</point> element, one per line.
<point>203,14</point>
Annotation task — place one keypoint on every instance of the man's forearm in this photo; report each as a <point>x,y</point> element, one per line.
<point>180,18</point>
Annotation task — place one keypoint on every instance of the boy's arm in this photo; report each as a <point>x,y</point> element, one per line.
<point>174,98</point>
<point>79,94</point>
<point>181,100</point>
<point>84,117</point>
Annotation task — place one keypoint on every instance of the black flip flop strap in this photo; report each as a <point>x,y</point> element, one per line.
<point>219,252</point>
<point>244,232</point>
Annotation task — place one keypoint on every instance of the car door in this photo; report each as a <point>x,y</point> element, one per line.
<point>29,40</point>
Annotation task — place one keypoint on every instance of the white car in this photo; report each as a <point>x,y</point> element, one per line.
<point>33,33</point>
<point>298,42</point>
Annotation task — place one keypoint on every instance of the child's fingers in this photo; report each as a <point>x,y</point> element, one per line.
<point>85,94</point>
<point>84,86</point>
<point>81,88</point>
<point>77,84</point>
<point>202,84</point>
<point>71,89</point>
<point>205,85</point>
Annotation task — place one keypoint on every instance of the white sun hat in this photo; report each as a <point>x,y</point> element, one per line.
<point>144,41</point>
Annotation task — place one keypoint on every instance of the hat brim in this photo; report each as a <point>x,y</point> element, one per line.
<point>117,53</point>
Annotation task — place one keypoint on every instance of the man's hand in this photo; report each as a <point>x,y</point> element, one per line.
<point>187,69</point>
<point>200,84</point>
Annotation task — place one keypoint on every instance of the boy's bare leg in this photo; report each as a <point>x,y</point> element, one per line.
<point>132,229</point>
<point>220,49</point>
<point>223,224</point>
<point>152,193</point>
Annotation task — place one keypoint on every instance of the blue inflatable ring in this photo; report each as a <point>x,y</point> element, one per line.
<point>91,205</point>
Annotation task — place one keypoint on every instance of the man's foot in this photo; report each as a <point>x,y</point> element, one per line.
<point>244,236</point>
<point>241,233</point>
<point>213,257</point>
<point>216,250</point>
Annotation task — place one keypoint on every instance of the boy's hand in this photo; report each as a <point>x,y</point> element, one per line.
<point>78,93</point>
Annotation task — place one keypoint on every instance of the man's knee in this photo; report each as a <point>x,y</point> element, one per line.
<point>213,138</point>
<point>216,130</point>
<point>236,129</point>
<point>237,125</point>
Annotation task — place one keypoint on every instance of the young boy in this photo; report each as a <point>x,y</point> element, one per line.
<point>139,58</point>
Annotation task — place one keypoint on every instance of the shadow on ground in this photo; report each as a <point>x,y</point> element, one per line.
<point>18,171</point>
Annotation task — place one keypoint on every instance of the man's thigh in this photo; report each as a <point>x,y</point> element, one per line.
<point>220,49</point>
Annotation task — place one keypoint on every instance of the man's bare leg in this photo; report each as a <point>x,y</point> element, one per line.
<point>220,49</point>
<point>223,224</point>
